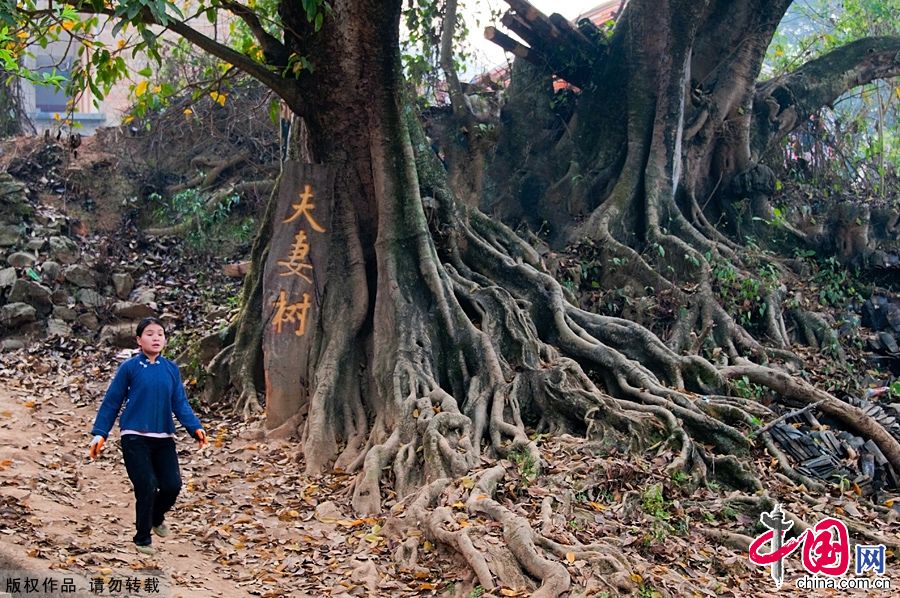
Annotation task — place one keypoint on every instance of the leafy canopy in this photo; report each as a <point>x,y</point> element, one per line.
<point>142,40</point>
<point>133,39</point>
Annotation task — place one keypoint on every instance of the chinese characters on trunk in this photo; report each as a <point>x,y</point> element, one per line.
<point>296,263</point>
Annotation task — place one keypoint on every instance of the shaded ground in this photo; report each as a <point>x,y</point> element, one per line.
<point>249,522</point>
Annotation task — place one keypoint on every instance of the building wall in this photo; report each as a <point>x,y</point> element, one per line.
<point>111,109</point>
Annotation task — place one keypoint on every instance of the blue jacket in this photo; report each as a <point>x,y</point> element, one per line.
<point>152,392</point>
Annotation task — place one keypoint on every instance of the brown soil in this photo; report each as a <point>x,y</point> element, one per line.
<point>77,512</point>
<point>90,184</point>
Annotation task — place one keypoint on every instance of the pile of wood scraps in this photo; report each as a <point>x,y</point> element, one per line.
<point>833,455</point>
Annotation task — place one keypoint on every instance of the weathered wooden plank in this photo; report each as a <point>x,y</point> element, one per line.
<point>291,289</point>
<point>508,43</point>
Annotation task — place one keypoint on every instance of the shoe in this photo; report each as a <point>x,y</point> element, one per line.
<point>145,549</point>
<point>161,530</point>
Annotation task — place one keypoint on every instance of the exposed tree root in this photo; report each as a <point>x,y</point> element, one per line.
<point>815,332</point>
<point>500,350</point>
<point>207,180</point>
<point>535,553</point>
<point>255,187</point>
<point>450,340</point>
<point>853,417</point>
<point>733,540</point>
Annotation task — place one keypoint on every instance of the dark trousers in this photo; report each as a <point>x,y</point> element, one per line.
<point>152,466</point>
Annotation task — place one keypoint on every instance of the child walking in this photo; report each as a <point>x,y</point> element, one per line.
<point>151,389</point>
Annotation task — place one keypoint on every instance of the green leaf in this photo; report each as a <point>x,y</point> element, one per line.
<point>94,89</point>
<point>175,10</point>
<point>145,72</point>
<point>149,38</point>
<point>158,8</point>
<point>895,388</point>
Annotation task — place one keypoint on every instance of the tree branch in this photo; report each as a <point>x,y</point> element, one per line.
<point>219,50</point>
<point>256,70</point>
<point>457,99</point>
<point>782,104</point>
<point>274,50</point>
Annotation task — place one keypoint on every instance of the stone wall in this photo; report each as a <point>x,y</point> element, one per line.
<point>56,285</point>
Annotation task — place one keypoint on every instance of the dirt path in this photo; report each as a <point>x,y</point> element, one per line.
<point>71,513</point>
<point>247,522</point>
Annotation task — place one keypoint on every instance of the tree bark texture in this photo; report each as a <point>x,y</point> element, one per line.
<point>671,97</point>
<point>439,337</point>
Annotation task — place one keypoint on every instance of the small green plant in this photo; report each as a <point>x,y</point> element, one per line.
<point>648,591</point>
<point>476,592</point>
<point>654,503</point>
<point>523,459</point>
<point>778,220</point>
<point>207,224</point>
<point>657,534</point>
<point>744,296</point>
<point>233,301</point>
<point>680,478</point>
<point>682,526</point>
<point>835,282</point>
<point>748,390</point>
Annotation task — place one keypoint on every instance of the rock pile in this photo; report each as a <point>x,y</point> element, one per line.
<point>53,285</point>
<point>827,453</point>
<point>881,313</point>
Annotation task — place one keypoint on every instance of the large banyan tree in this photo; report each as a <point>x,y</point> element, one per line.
<point>440,340</point>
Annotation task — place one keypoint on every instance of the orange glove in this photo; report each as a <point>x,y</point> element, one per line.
<point>96,446</point>
<point>200,435</point>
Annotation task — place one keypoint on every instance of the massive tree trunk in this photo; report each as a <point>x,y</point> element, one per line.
<point>439,337</point>
<point>670,104</point>
<point>667,133</point>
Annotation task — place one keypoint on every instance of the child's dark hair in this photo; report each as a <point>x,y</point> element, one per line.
<point>146,322</point>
